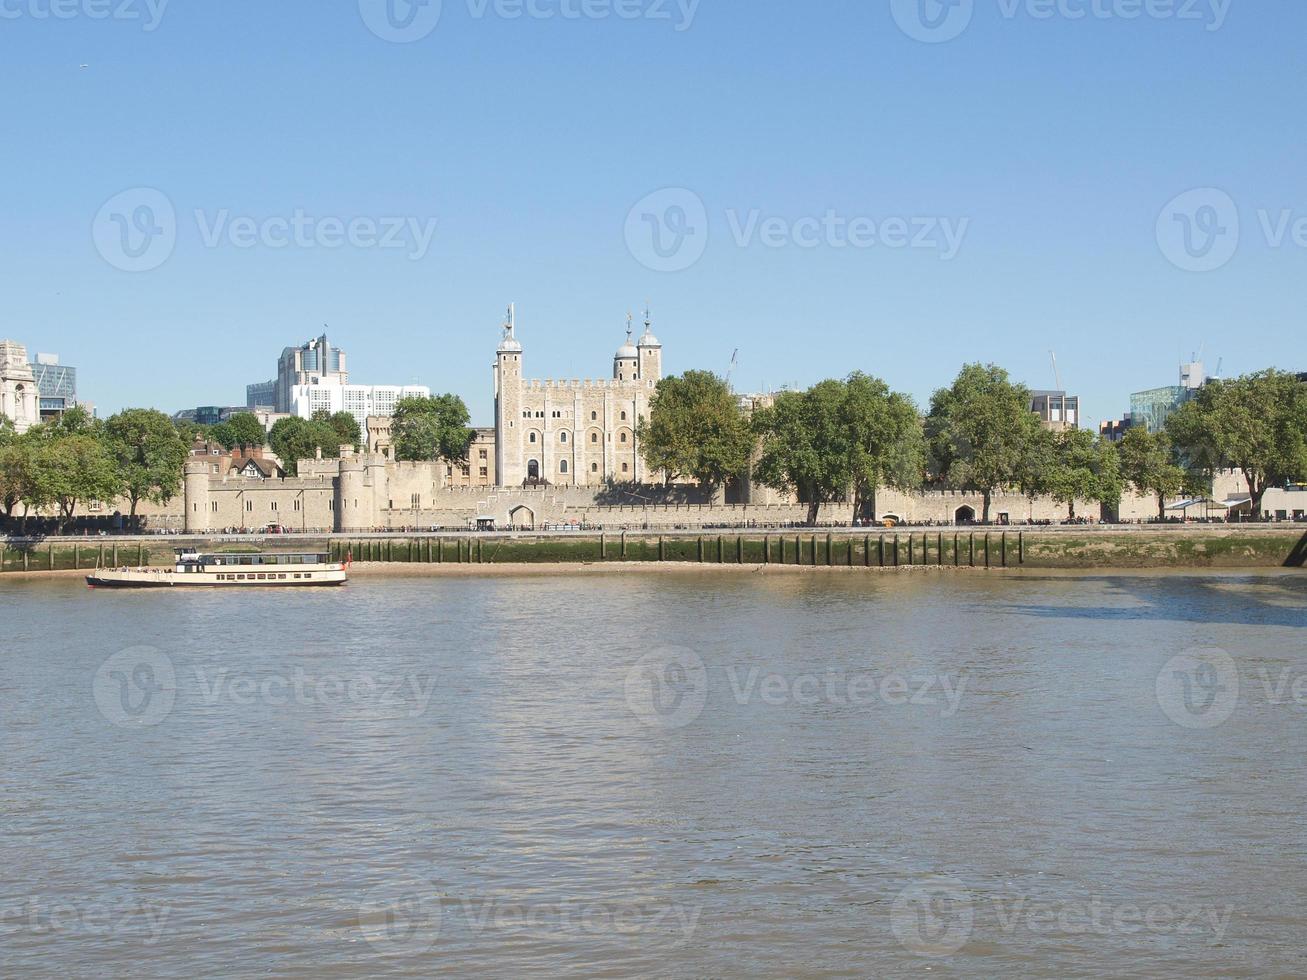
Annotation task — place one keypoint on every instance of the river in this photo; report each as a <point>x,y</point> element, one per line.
<point>676,774</point>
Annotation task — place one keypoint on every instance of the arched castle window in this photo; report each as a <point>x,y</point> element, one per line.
<point>594,416</point>
<point>594,436</point>
<point>625,468</point>
<point>562,437</point>
<point>623,437</point>
<point>533,437</point>
<point>594,467</point>
<point>623,416</point>
<point>562,466</point>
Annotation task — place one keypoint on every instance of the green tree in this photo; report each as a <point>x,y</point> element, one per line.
<point>294,439</point>
<point>70,469</point>
<point>1085,468</point>
<point>885,440</point>
<point>978,431</point>
<point>20,476</point>
<point>1148,465</point>
<point>345,425</point>
<point>434,428</point>
<point>1256,424</point>
<point>1038,464</point>
<point>806,446</point>
<point>240,431</point>
<point>696,429</point>
<point>150,455</point>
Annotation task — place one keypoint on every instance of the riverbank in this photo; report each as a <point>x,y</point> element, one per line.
<point>1206,547</point>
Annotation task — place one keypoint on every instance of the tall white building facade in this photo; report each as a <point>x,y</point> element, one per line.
<point>359,400</point>
<point>18,392</point>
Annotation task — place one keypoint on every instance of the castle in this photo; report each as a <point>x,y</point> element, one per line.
<point>573,433</point>
<point>561,452</point>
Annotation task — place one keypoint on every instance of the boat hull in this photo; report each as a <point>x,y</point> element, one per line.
<point>282,577</point>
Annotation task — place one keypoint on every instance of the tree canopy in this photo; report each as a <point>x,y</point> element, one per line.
<point>978,431</point>
<point>886,444</point>
<point>241,431</point>
<point>434,428</point>
<point>806,446</point>
<point>696,429</point>
<point>149,454</point>
<point>1149,466</point>
<point>1084,467</point>
<point>1256,424</point>
<point>294,439</point>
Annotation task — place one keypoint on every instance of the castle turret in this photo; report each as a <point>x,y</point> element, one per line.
<point>196,500</point>
<point>508,407</point>
<point>651,352</point>
<point>626,362</point>
<point>354,503</point>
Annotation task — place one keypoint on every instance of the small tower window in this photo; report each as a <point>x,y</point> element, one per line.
<point>594,416</point>
<point>623,416</point>
<point>533,437</point>
<point>562,437</point>
<point>562,466</point>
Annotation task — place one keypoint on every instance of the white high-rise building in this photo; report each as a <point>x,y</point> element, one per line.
<point>18,391</point>
<point>359,400</point>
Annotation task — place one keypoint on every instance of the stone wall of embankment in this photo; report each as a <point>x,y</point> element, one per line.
<point>1070,548</point>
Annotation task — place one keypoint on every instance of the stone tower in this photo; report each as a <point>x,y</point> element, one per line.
<point>626,362</point>
<point>508,407</point>
<point>18,399</point>
<point>651,352</point>
<point>195,496</point>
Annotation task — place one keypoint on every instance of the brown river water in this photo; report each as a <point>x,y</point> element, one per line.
<point>680,775</point>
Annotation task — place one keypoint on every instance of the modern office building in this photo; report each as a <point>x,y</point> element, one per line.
<point>1057,410</point>
<point>1153,407</point>
<point>56,385</point>
<point>314,362</point>
<point>261,395</point>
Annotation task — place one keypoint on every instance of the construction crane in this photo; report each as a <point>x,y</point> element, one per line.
<point>1057,377</point>
<point>735,360</point>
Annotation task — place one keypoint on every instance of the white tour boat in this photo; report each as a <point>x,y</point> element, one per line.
<point>236,570</point>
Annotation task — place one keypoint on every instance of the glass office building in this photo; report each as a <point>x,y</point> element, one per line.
<point>56,385</point>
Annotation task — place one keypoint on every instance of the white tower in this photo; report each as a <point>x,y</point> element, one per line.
<point>18,398</point>
<point>508,407</point>
<point>626,362</point>
<point>651,352</point>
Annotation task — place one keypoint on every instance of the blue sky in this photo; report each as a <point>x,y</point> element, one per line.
<point>1048,144</point>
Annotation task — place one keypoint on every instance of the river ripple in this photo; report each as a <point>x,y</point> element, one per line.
<point>682,775</point>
